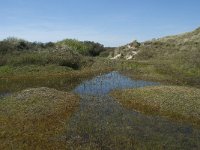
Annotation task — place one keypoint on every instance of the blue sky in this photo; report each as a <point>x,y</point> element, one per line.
<point>110,22</point>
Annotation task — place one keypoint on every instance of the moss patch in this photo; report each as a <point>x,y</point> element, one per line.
<point>35,118</point>
<point>174,102</point>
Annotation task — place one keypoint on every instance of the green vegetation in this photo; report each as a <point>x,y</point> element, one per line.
<point>26,64</point>
<point>8,71</point>
<point>173,59</point>
<point>38,116</point>
<point>35,119</point>
<point>15,45</point>
<point>19,78</point>
<point>172,46</point>
<point>65,58</point>
<point>175,102</point>
<point>175,56</point>
<point>85,48</point>
<point>146,70</point>
<point>68,53</point>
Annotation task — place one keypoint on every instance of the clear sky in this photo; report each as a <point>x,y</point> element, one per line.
<point>110,22</point>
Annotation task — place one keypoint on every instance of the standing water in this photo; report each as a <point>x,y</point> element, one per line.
<point>102,85</point>
<point>102,123</point>
<point>3,94</point>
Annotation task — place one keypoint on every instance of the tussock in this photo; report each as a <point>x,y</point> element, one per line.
<point>35,118</point>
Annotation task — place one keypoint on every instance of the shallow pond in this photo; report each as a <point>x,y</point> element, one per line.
<point>102,85</point>
<point>103,123</point>
<point>3,94</point>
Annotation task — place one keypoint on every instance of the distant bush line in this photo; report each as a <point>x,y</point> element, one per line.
<point>69,52</point>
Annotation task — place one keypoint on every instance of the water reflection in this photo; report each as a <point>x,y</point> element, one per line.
<point>103,122</point>
<point>102,85</point>
<point>3,94</point>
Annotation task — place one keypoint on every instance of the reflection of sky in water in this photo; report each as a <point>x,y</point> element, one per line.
<point>3,94</point>
<point>102,119</point>
<point>102,85</point>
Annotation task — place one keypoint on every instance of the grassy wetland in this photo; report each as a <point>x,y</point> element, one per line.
<point>175,102</point>
<point>78,95</point>
<point>33,118</point>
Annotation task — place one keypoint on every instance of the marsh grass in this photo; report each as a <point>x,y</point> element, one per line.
<point>60,79</point>
<point>172,59</point>
<point>165,71</point>
<point>174,102</point>
<point>174,56</point>
<point>35,119</point>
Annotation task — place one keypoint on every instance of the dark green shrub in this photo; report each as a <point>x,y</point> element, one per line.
<point>3,60</point>
<point>50,45</point>
<point>65,58</point>
<point>94,49</point>
<point>70,63</point>
<point>23,45</point>
<point>5,47</point>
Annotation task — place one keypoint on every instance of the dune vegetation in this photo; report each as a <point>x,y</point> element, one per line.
<point>174,102</point>
<point>60,65</point>
<point>35,118</point>
<point>172,59</point>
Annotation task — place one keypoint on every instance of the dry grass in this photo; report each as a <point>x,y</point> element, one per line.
<point>174,102</point>
<point>35,119</point>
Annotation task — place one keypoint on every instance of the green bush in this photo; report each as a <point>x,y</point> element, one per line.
<point>27,59</point>
<point>85,48</point>
<point>73,45</point>
<point>67,59</point>
<point>94,49</point>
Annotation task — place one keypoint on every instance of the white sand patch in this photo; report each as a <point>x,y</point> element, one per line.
<point>117,56</point>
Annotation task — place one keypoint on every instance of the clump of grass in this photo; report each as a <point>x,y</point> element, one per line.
<point>35,119</point>
<point>174,102</point>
